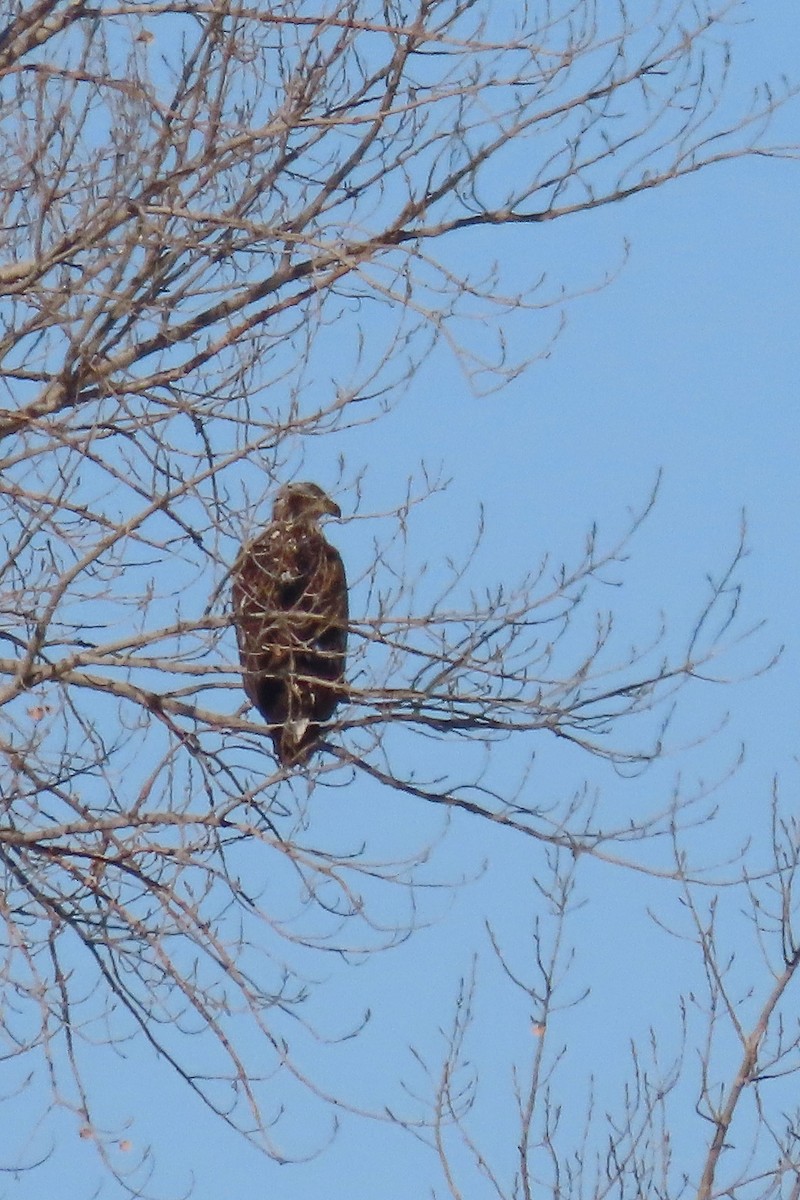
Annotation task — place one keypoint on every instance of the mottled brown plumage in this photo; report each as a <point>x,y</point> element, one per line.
<point>290,611</point>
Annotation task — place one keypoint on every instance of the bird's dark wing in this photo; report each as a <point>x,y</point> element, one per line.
<point>260,603</point>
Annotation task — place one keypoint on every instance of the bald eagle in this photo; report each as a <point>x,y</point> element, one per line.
<point>290,611</point>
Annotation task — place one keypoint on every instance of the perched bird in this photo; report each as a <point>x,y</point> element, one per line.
<point>290,611</point>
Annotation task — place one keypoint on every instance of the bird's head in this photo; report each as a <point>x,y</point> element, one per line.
<point>305,501</point>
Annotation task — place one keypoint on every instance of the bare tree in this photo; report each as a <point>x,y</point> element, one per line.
<point>228,233</point>
<point>713,1115</point>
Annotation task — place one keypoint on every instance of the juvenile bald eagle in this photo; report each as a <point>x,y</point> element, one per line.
<point>290,612</point>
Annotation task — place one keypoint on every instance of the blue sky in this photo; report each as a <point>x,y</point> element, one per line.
<point>686,364</point>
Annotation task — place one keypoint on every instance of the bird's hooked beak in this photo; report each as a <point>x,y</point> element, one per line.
<point>332,508</point>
